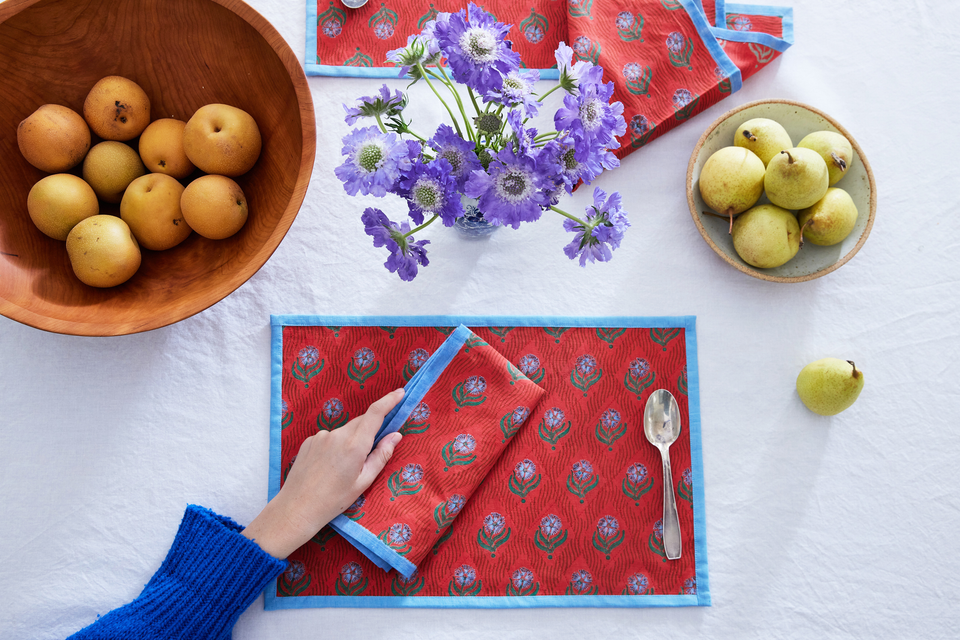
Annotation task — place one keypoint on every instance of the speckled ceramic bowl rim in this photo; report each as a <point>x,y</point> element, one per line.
<point>746,268</point>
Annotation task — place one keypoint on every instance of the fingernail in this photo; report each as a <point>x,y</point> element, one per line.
<point>401,390</point>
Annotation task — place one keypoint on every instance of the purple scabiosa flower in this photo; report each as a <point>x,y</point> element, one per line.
<point>524,135</point>
<point>431,189</point>
<point>382,104</point>
<point>522,578</point>
<point>636,473</point>
<point>529,364</point>
<point>550,525</point>
<point>465,576</point>
<point>511,191</point>
<point>374,161</point>
<point>602,231</point>
<point>590,116</point>
<point>525,470</point>
<point>464,444</point>
<point>405,252</point>
<point>399,533</point>
<point>637,584</point>
<point>517,90</point>
<point>421,48</point>
<point>475,47</point>
<point>493,524</point>
<point>457,151</point>
<point>572,74</point>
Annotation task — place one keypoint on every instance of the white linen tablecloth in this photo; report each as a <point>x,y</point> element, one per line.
<point>817,527</point>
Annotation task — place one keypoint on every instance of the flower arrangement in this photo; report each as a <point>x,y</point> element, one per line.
<point>511,171</point>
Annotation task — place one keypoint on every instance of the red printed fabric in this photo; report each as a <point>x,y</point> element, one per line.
<point>668,59</point>
<point>571,507</point>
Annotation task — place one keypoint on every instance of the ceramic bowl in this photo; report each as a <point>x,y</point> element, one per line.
<point>185,54</point>
<point>798,119</point>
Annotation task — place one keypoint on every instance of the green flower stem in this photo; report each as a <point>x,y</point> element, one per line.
<point>380,122</point>
<point>453,89</point>
<point>473,99</point>
<point>549,91</point>
<point>567,215</point>
<point>423,226</point>
<point>423,72</point>
<point>550,135</point>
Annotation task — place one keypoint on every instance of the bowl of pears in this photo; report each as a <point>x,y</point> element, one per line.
<point>781,191</point>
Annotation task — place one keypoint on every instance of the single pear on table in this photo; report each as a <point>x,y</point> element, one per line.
<point>830,385</point>
<point>731,181</point>
<point>763,136</point>
<point>796,178</point>
<point>834,149</point>
<point>766,236</point>
<point>830,220</point>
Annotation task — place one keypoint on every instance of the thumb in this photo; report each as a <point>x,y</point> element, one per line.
<point>378,459</point>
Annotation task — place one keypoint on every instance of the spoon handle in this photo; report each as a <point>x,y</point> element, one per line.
<point>671,521</point>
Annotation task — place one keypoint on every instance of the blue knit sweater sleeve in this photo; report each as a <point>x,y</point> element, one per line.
<point>210,576</point>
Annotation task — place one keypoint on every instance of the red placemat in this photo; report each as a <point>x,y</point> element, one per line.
<point>668,59</point>
<point>570,514</point>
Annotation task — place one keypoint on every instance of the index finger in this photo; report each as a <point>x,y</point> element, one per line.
<point>373,418</point>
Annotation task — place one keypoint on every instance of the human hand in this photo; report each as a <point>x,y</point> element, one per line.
<point>330,471</point>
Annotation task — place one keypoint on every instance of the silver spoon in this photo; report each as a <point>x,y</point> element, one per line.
<point>661,425</point>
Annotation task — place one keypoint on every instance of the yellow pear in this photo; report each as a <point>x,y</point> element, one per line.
<point>151,207</point>
<point>766,236</point>
<point>103,251</point>
<point>830,219</point>
<point>796,178</point>
<point>214,206</point>
<point>53,138</point>
<point>222,139</point>
<point>109,167</point>
<point>117,109</point>
<point>763,136</point>
<point>835,150</point>
<point>58,202</point>
<point>161,148</point>
<point>829,385</point>
<point>731,181</point>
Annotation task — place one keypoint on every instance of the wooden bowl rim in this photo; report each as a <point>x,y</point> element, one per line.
<point>746,268</point>
<point>291,63</point>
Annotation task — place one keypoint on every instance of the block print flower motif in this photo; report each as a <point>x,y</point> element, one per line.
<point>579,8</point>
<point>684,103</point>
<point>639,376</point>
<point>655,540</point>
<point>332,415</point>
<point>638,78</point>
<point>307,365</point>
<point>629,27</point>
<point>524,479</point>
<point>556,332</point>
<point>636,482</point>
<point>663,336</point>
<point>469,393</point>
<point>641,130</point>
<point>682,381</point>
<point>465,582</point>
<point>494,533</point>
<point>411,586</point>
<point>351,581</point>
<point>581,584</point>
<point>331,21</point>
<point>448,510</point>
<point>286,415</point>
<point>397,537</point>
<point>585,373</point>
<point>637,585</point>
<point>610,428</point>
<point>355,511</point>
<point>738,22</point>
<point>610,334</point>
<point>523,583</point>
<point>608,535</point>
<point>417,358</point>
<point>405,481</point>
<point>363,365</point>
<point>689,587</point>
<point>510,423</point>
<point>323,536</point>
<point>418,420</point>
<point>293,580</point>
<point>582,479</point>
<point>685,485</point>
<point>529,365</point>
<point>553,426</point>
<point>679,49</point>
<point>550,534</point>
<point>459,451</point>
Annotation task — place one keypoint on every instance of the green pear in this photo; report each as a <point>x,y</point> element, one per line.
<point>731,181</point>
<point>766,236</point>
<point>764,137</point>
<point>830,385</point>
<point>834,149</point>
<point>829,220</point>
<point>796,178</point>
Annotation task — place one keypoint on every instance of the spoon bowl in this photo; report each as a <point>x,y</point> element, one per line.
<point>661,425</point>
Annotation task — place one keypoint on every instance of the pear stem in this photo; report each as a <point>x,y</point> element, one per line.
<point>838,161</point>
<point>856,374</point>
<point>717,215</point>
<point>805,225</point>
<point>749,136</point>
<point>789,157</point>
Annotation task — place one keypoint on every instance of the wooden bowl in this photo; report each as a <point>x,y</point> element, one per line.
<point>185,54</point>
<point>798,119</point>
